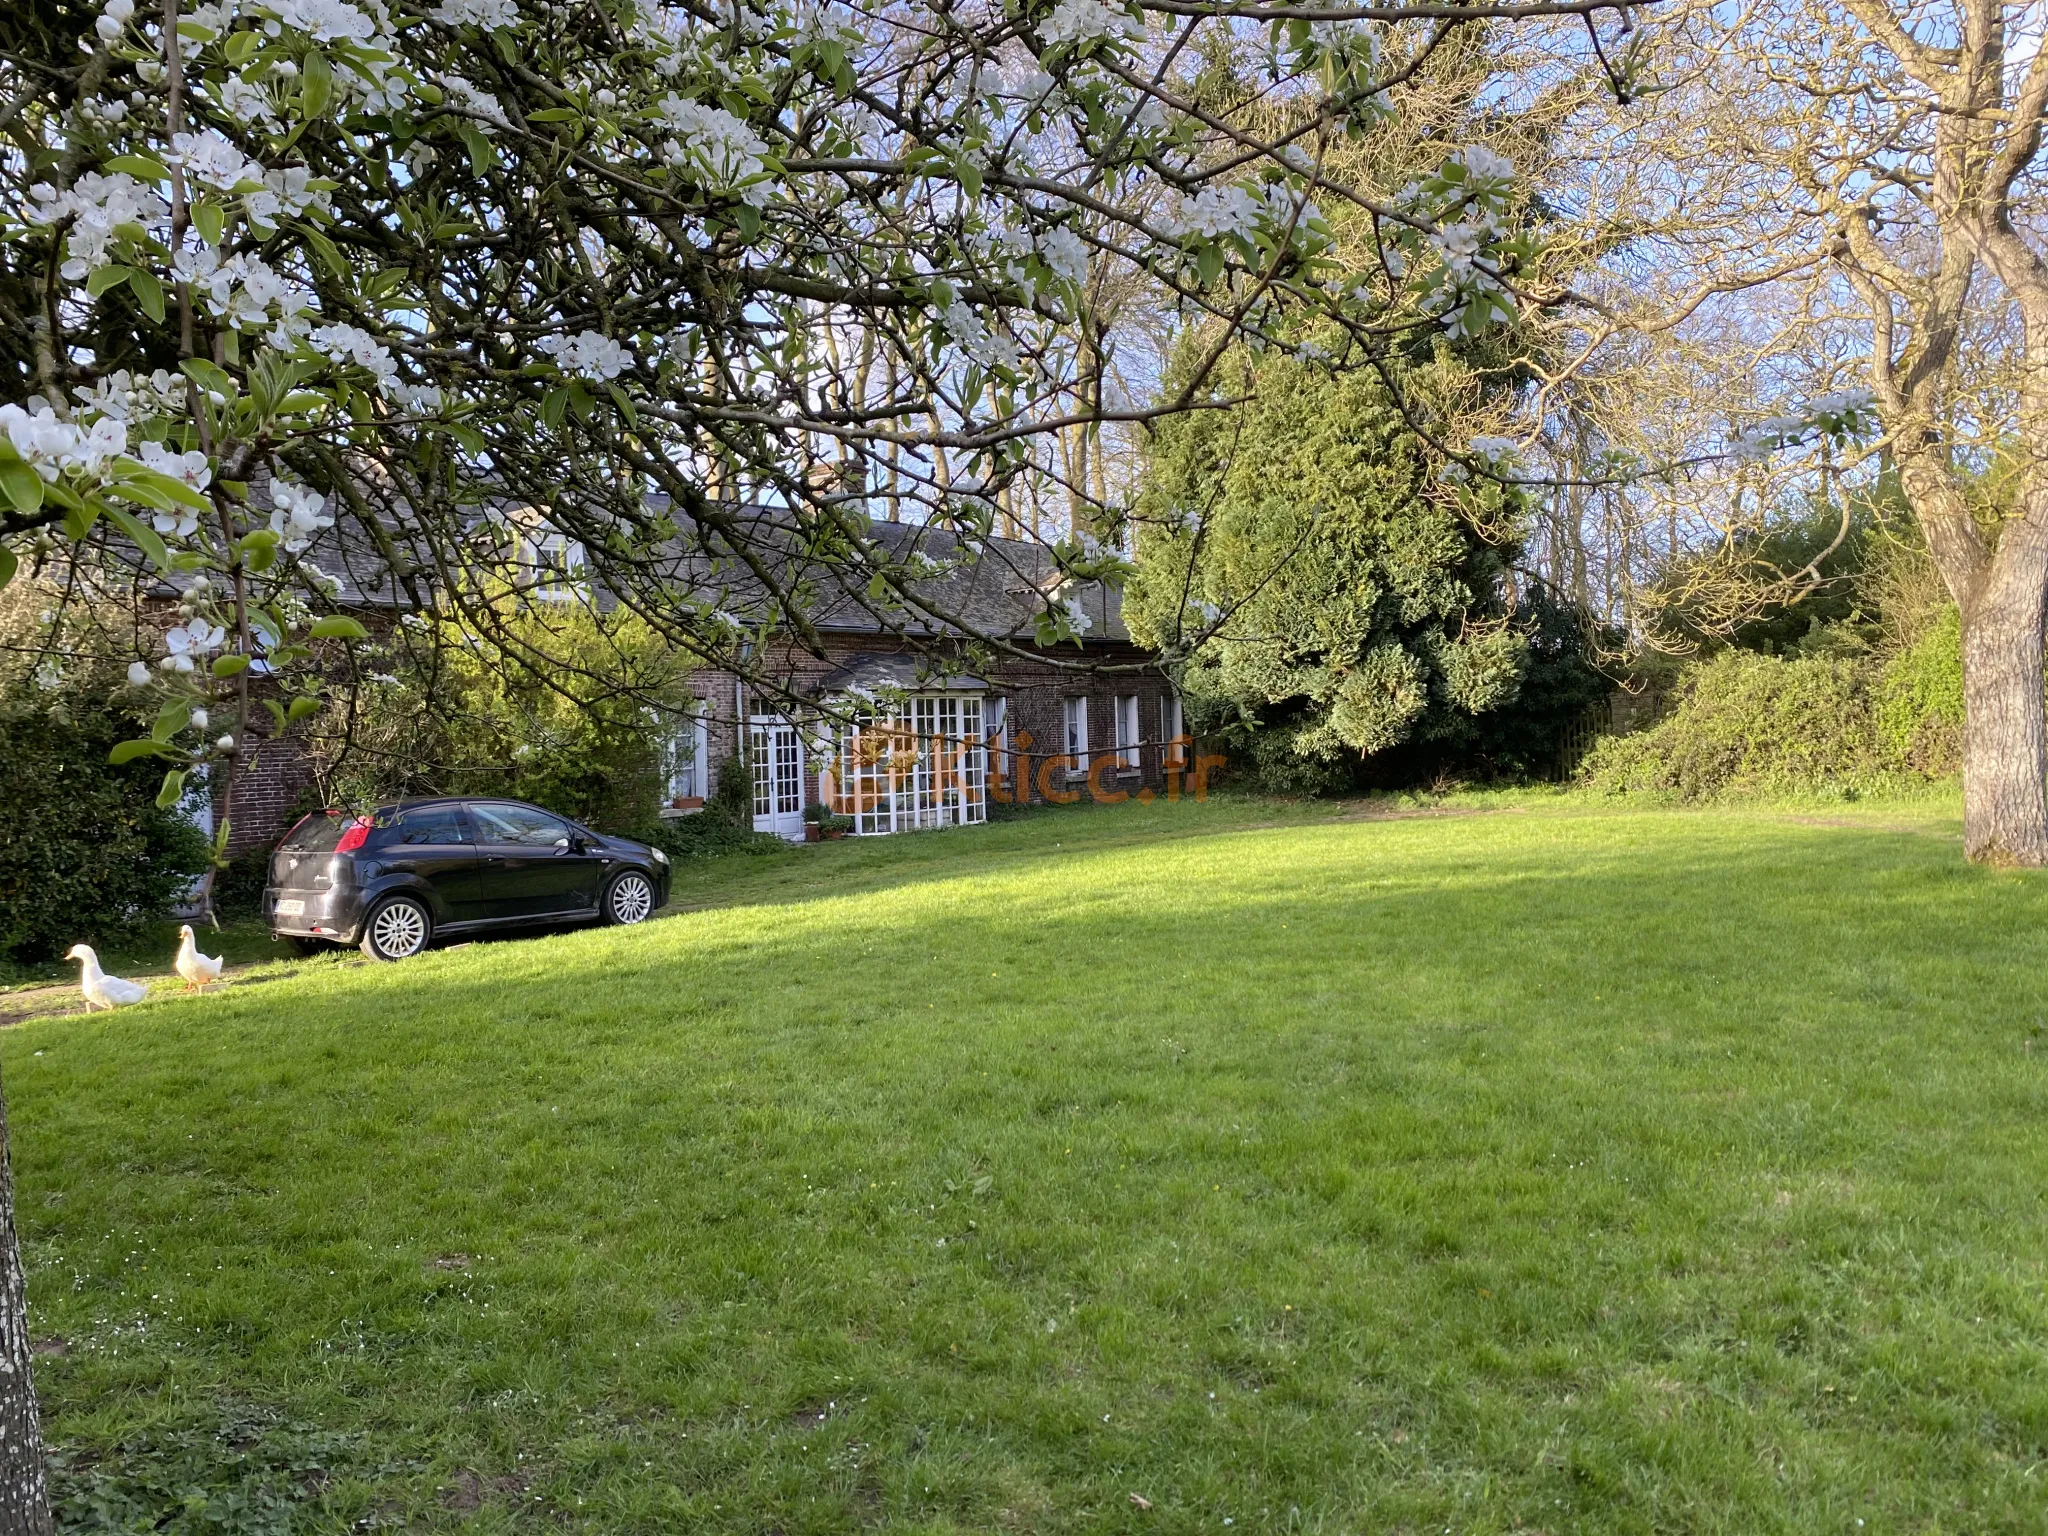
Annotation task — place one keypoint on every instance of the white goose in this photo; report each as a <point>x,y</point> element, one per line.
<point>197,969</point>
<point>99,987</point>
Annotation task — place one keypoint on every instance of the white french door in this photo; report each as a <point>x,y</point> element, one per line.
<point>775,752</point>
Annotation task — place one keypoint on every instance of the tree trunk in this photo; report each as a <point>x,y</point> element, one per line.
<point>2005,727</point>
<point>24,1494</point>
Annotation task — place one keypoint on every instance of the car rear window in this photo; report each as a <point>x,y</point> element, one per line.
<point>318,833</point>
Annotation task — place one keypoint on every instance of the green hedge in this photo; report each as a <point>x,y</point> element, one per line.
<point>85,853</point>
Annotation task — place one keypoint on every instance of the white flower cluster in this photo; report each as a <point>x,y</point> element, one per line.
<point>212,159</point>
<point>180,522</point>
<point>591,354</point>
<point>327,21</point>
<point>717,143</point>
<point>1065,252</point>
<point>243,290</point>
<point>128,397</point>
<point>1237,210</point>
<point>1495,450</point>
<point>975,338</point>
<point>1082,21</point>
<point>98,206</point>
<point>491,15</point>
<point>474,100</point>
<point>296,514</point>
<point>246,103</point>
<point>353,344</point>
<point>53,446</point>
<point>1843,413</point>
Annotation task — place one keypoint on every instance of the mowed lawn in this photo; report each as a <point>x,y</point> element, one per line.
<point>1180,1168</point>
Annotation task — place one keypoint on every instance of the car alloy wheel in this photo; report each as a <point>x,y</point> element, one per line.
<point>397,930</point>
<point>631,899</point>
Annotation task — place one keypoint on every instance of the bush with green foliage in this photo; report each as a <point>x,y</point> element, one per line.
<point>1749,722</point>
<point>86,854</point>
<point>724,825</point>
<point>560,704</point>
<point>1920,713</point>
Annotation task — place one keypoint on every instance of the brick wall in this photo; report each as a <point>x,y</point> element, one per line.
<point>1034,691</point>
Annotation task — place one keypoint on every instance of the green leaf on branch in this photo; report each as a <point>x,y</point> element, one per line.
<point>625,404</point>
<point>304,705</point>
<point>149,293</point>
<point>208,219</point>
<point>145,537</point>
<point>141,167</point>
<point>209,376</point>
<point>173,789</point>
<point>326,250</point>
<point>22,486</point>
<point>240,46</point>
<point>338,627</point>
<point>9,564</point>
<point>552,406</point>
<point>104,278</point>
<point>318,88</point>
<point>481,155</point>
<point>276,713</point>
<point>228,666</point>
<point>171,719</point>
<point>128,751</point>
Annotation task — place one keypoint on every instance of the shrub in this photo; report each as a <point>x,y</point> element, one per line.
<point>1920,713</point>
<point>87,854</point>
<point>1747,722</point>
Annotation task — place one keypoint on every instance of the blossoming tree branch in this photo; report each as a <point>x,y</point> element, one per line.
<point>651,278</point>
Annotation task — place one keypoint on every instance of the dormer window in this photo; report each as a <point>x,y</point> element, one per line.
<point>554,565</point>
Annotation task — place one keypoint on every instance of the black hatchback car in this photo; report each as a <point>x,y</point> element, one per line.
<point>394,879</point>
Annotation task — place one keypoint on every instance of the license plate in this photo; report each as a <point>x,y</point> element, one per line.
<point>291,907</point>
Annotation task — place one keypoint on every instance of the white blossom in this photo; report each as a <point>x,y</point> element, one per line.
<point>325,21</point>
<point>491,15</point>
<point>113,20</point>
<point>201,719</point>
<point>353,344</point>
<point>244,102</point>
<point>1495,449</point>
<point>194,638</point>
<point>716,142</point>
<point>296,514</point>
<point>98,205</point>
<point>1065,252</point>
<point>138,674</point>
<point>51,446</point>
<point>590,354</point>
<point>1079,21</point>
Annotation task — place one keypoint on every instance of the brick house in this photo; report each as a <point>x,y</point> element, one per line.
<point>882,718</point>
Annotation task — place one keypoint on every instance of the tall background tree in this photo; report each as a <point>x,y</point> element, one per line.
<point>1818,219</point>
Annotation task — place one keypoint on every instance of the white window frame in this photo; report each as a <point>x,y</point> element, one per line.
<point>1077,734</point>
<point>997,711</point>
<point>688,776</point>
<point>1172,750</point>
<point>550,553</point>
<point>1128,732</point>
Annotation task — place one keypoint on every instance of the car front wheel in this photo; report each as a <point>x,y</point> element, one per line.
<point>398,929</point>
<point>630,899</point>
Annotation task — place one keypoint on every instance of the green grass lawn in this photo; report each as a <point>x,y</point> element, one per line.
<point>1549,1167</point>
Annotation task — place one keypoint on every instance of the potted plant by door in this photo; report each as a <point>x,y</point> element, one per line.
<point>816,815</point>
<point>837,827</point>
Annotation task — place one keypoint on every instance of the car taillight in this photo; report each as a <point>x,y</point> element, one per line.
<point>354,838</point>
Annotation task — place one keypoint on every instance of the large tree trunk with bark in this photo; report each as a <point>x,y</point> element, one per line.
<point>24,1492</point>
<point>2005,724</point>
